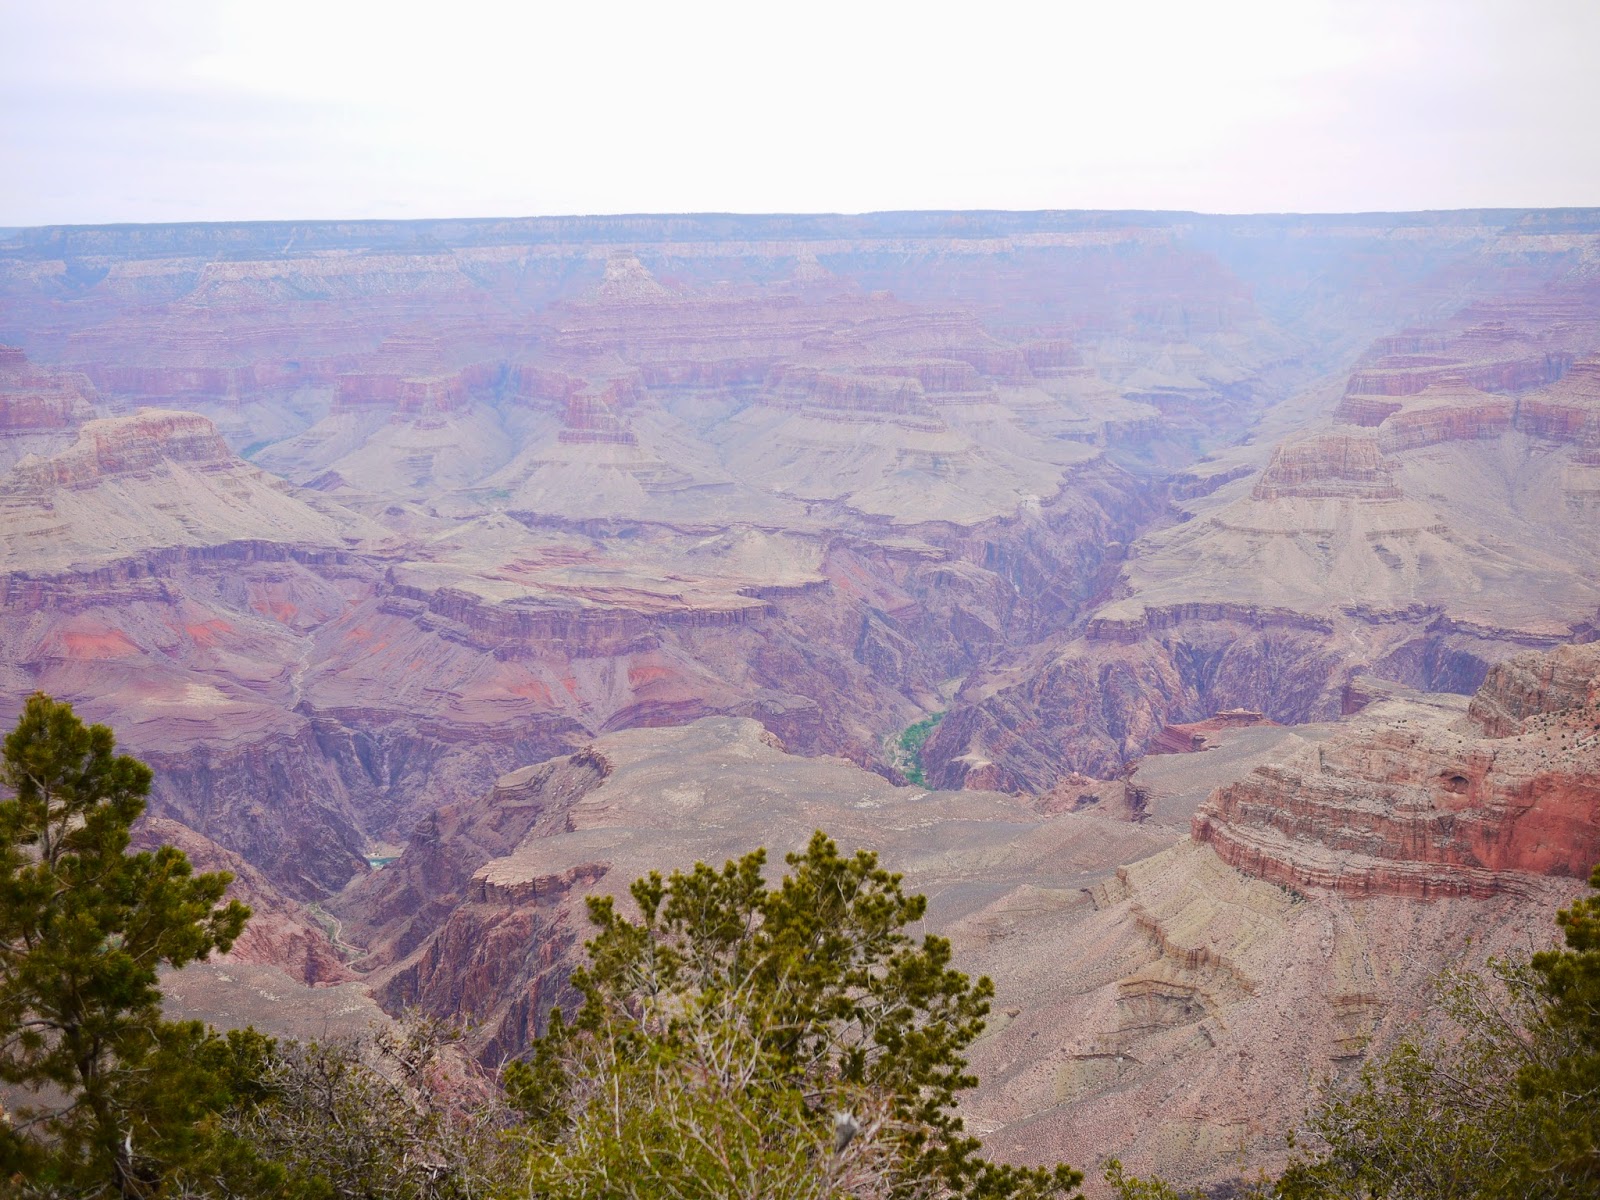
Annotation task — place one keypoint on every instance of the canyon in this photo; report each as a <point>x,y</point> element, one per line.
<point>448,572</point>
<point>1169,973</point>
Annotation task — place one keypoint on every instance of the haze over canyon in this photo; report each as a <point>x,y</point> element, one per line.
<point>448,572</point>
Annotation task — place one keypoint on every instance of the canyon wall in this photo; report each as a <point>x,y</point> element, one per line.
<point>1411,802</point>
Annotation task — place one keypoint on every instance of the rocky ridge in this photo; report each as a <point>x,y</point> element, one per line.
<point>1433,800</point>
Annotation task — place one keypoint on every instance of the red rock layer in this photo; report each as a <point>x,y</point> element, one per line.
<point>445,393</point>
<point>1410,376</point>
<point>1458,385</point>
<point>1451,422</point>
<point>1133,628</point>
<point>1369,411</point>
<point>844,393</point>
<point>1052,357</point>
<point>1193,736</point>
<point>1568,411</point>
<point>599,418</point>
<point>1423,807</point>
<point>1535,685</point>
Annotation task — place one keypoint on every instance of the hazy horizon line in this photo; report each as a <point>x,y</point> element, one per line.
<point>637,214</point>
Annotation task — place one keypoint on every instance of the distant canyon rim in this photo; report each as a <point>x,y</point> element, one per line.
<point>1251,565</point>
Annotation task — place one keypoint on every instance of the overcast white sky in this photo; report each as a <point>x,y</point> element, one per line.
<point>160,110</point>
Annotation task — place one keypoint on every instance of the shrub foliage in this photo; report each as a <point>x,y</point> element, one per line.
<point>741,1040</point>
<point>1505,1103</point>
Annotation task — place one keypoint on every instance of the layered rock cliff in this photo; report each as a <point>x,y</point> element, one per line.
<point>40,410</point>
<point>134,445</point>
<point>37,401</point>
<point>1330,465</point>
<point>1438,800</point>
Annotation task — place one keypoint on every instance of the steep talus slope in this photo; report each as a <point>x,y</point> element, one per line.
<point>1174,1015</point>
<point>281,933</point>
<point>150,482</point>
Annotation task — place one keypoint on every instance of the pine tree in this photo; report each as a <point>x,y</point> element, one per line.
<point>1561,1089</point>
<point>116,1097</point>
<point>749,1041</point>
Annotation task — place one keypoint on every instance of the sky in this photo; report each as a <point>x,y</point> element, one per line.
<point>177,110</point>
